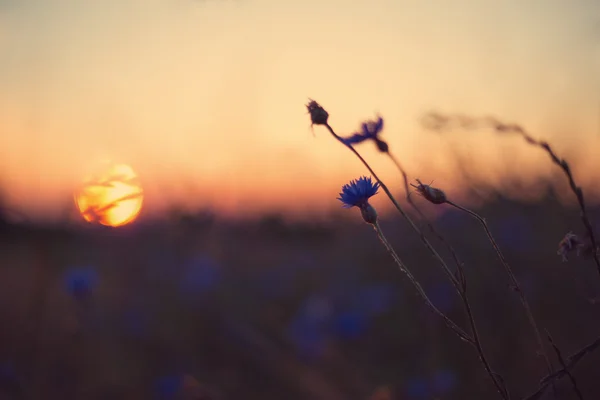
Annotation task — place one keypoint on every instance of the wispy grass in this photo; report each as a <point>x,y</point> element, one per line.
<point>439,122</point>
<point>437,196</point>
<point>370,131</point>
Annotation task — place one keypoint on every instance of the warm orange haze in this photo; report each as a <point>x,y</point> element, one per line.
<point>206,98</point>
<point>316,199</point>
<point>113,196</point>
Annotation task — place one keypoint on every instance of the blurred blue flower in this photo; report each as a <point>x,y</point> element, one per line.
<point>308,336</point>
<point>369,130</point>
<point>358,192</point>
<point>442,295</point>
<point>452,220</point>
<point>168,387</point>
<point>317,308</point>
<point>418,388</point>
<point>515,233</point>
<point>376,298</point>
<point>350,324</point>
<point>200,274</point>
<point>308,329</point>
<point>277,282</point>
<point>9,381</point>
<point>444,381</point>
<point>80,282</point>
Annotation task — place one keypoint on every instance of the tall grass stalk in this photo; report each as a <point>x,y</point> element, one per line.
<point>459,283</point>
<point>513,279</point>
<point>319,116</point>
<point>403,268</point>
<point>438,122</point>
<point>475,341</point>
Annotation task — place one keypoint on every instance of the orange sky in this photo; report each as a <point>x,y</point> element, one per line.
<point>205,99</point>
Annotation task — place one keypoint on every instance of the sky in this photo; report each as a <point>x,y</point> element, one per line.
<point>205,99</point>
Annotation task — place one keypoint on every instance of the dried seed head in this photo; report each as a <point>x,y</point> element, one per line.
<point>571,242</point>
<point>318,115</point>
<point>434,195</point>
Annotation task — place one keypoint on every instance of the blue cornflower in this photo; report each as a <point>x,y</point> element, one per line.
<point>167,387</point>
<point>418,388</point>
<point>201,274</point>
<point>444,381</point>
<point>357,192</point>
<point>80,282</point>
<point>350,324</point>
<point>369,130</point>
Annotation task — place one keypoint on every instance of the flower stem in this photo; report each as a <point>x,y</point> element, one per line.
<point>460,284</point>
<point>394,201</point>
<point>473,341</point>
<point>459,331</point>
<point>513,280</point>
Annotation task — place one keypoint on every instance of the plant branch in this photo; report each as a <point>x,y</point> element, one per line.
<point>513,279</point>
<point>570,363</point>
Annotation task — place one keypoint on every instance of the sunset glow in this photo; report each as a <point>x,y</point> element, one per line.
<point>208,103</point>
<point>113,197</point>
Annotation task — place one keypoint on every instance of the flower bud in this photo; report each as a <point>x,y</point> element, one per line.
<point>434,195</point>
<point>381,145</point>
<point>318,115</point>
<point>369,213</point>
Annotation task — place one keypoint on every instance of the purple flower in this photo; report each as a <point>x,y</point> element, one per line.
<point>201,274</point>
<point>80,282</point>
<point>357,192</point>
<point>369,130</point>
<point>444,381</point>
<point>418,388</point>
<point>376,299</point>
<point>167,387</point>
<point>442,295</point>
<point>308,329</point>
<point>350,324</point>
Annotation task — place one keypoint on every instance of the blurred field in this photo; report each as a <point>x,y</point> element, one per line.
<point>197,306</point>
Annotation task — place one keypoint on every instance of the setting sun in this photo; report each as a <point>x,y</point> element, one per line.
<point>112,197</point>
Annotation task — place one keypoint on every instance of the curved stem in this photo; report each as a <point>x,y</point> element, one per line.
<point>459,331</point>
<point>393,199</point>
<point>513,280</point>
<point>459,284</point>
<point>473,341</point>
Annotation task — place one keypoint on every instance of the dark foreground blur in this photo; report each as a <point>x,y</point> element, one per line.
<point>198,308</point>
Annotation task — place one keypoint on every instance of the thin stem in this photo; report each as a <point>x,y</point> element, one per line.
<point>438,122</point>
<point>562,362</point>
<point>564,166</point>
<point>513,279</point>
<point>394,201</point>
<point>475,341</point>
<point>561,373</point>
<point>459,284</point>
<point>459,331</point>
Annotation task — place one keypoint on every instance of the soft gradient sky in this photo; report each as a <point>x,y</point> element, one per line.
<point>205,99</point>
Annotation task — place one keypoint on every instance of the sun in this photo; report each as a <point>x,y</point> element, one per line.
<point>113,196</point>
